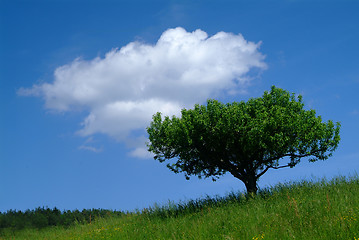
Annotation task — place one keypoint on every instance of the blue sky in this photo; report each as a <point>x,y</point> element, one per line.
<point>79,80</point>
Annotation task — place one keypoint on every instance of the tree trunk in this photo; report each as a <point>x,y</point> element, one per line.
<point>251,184</point>
<point>250,180</point>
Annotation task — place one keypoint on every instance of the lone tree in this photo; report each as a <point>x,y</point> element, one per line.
<point>243,138</point>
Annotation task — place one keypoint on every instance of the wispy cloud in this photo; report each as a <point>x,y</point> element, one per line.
<point>122,90</point>
<point>88,146</point>
<point>92,149</point>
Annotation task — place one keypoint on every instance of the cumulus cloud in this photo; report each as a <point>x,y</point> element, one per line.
<point>122,90</point>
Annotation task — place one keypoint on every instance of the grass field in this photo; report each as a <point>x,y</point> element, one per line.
<point>300,210</point>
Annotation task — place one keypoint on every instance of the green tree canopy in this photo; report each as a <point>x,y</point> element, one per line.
<point>245,139</point>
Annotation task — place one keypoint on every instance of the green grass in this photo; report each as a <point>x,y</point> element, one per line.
<point>301,210</point>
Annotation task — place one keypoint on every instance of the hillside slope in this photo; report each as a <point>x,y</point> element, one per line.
<point>302,210</point>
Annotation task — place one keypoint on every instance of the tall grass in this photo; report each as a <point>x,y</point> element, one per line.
<point>297,210</point>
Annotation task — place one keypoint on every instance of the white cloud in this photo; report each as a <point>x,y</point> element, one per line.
<point>124,89</point>
<point>141,152</point>
<point>119,118</point>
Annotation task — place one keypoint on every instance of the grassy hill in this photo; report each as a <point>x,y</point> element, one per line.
<point>300,210</point>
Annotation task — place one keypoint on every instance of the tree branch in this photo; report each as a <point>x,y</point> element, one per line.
<point>264,171</point>
<point>288,165</point>
<point>294,155</point>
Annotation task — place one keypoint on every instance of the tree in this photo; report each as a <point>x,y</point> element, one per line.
<point>245,139</point>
